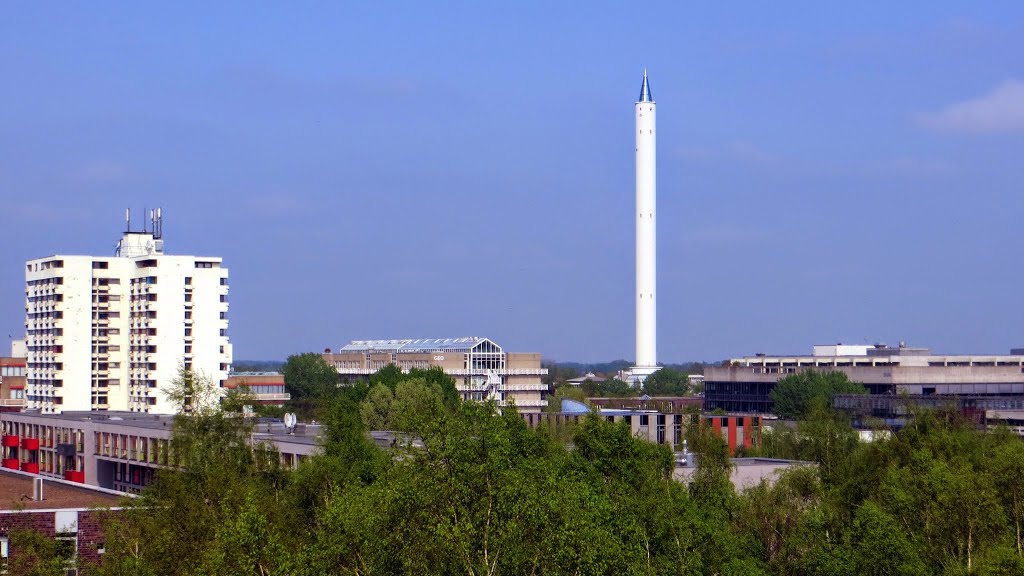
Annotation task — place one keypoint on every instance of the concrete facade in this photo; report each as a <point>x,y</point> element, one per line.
<point>745,383</point>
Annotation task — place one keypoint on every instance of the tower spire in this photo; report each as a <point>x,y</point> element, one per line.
<point>645,90</point>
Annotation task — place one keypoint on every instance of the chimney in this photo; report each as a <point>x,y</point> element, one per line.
<point>37,489</point>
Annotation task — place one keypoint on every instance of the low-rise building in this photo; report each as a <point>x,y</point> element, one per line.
<point>12,384</point>
<point>744,472</point>
<point>482,370</point>
<point>744,384</point>
<point>267,387</point>
<point>67,512</point>
<point>657,426</point>
<point>117,450</point>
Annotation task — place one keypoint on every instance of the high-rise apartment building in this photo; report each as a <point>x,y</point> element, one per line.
<point>110,333</point>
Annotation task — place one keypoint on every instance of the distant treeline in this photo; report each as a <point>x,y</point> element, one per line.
<point>257,365</point>
<point>566,370</point>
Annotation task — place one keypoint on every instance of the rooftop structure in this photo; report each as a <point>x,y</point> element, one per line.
<point>466,344</point>
<point>481,368</point>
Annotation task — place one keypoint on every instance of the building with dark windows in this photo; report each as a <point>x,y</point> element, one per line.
<point>744,385</point>
<point>666,425</point>
<point>118,450</point>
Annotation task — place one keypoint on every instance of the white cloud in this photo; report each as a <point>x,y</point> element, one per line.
<point>741,151</point>
<point>999,111</point>
<point>102,172</point>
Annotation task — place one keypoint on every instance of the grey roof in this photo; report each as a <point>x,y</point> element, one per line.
<point>421,345</point>
<point>645,90</point>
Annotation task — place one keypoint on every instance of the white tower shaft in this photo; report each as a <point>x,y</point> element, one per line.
<point>646,233</point>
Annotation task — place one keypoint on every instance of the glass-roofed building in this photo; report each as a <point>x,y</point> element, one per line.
<point>482,370</point>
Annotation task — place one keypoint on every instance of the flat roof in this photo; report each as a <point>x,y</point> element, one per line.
<point>16,494</point>
<point>414,345</point>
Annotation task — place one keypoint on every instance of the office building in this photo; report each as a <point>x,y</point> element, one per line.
<point>482,370</point>
<point>745,384</point>
<point>118,450</point>
<point>111,332</point>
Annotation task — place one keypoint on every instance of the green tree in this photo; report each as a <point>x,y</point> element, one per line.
<point>1007,468</point>
<point>612,387</point>
<point>200,516</point>
<point>667,382</point>
<point>309,376</point>
<point>881,547</point>
<point>35,554</point>
<point>375,409</point>
<point>436,376</point>
<point>794,395</point>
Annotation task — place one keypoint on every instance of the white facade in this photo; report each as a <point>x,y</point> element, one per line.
<point>646,236</point>
<point>109,333</point>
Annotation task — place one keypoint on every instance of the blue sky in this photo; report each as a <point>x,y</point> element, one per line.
<point>381,170</point>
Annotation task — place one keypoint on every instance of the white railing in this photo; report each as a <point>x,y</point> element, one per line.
<point>499,372</point>
<point>283,396</point>
<point>460,371</point>
<point>523,387</point>
<point>524,403</point>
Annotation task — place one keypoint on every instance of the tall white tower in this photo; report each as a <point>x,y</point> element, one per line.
<point>646,237</point>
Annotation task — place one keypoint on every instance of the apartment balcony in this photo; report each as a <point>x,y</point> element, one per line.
<point>513,387</point>
<point>75,476</point>
<point>30,467</point>
<point>12,403</point>
<point>30,443</point>
<point>10,441</point>
<point>10,463</point>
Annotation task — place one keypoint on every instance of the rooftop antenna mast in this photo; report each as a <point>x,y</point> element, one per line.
<point>128,219</point>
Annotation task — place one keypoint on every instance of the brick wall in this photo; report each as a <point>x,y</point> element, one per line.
<point>90,531</point>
